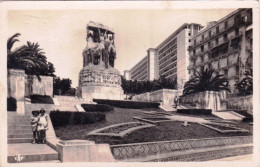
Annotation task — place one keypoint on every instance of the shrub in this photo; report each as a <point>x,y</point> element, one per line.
<point>195,111</point>
<point>61,118</point>
<point>248,119</point>
<point>11,104</point>
<point>97,107</point>
<point>41,99</point>
<point>127,104</point>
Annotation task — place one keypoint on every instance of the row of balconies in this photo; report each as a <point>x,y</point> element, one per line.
<point>208,49</point>
<point>200,63</point>
<point>215,34</point>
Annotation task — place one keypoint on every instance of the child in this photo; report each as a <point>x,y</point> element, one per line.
<point>42,126</point>
<point>34,123</point>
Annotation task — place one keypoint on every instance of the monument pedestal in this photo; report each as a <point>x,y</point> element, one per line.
<point>98,82</point>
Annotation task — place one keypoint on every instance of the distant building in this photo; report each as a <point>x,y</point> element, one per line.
<point>169,58</point>
<point>127,75</point>
<point>225,45</point>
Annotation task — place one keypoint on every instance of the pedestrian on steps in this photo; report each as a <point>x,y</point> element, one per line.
<point>34,123</point>
<point>42,126</point>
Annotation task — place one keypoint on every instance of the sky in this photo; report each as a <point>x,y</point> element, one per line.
<point>62,33</point>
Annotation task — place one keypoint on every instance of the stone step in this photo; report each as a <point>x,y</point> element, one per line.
<point>21,131</point>
<point>227,115</point>
<point>20,140</point>
<point>19,127</point>
<point>27,152</point>
<point>25,135</point>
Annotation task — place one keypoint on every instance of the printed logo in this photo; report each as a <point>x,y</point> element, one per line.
<point>18,158</point>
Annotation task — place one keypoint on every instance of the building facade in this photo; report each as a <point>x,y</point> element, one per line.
<point>224,45</point>
<point>173,53</point>
<point>169,58</point>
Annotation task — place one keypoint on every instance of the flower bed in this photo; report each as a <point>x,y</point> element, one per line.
<point>61,118</point>
<point>195,111</point>
<point>11,104</point>
<point>119,130</point>
<point>41,99</point>
<point>127,104</point>
<point>97,107</point>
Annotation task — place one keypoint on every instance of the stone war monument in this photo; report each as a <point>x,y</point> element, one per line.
<point>98,78</point>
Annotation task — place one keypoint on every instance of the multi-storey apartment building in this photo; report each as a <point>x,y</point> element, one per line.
<point>225,45</point>
<point>169,59</point>
<point>146,69</point>
<point>173,54</point>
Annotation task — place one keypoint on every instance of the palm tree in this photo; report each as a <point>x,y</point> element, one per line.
<point>11,41</point>
<point>245,86</point>
<point>204,80</point>
<point>27,57</point>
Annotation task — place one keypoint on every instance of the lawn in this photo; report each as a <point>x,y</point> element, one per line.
<point>163,132</point>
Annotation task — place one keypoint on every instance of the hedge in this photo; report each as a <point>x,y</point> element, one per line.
<point>43,99</point>
<point>127,104</point>
<point>97,107</point>
<point>61,118</point>
<point>11,104</point>
<point>195,111</point>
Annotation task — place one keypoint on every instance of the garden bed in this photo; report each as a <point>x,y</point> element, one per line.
<point>127,104</point>
<point>41,99</point>
<point>97,107</point>
<point>63,118</point>
<point>195,111</point>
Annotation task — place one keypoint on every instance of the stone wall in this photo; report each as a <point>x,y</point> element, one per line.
<point>166,96</point>
<point>21,85</point>
<point>34,86</point>
<point>241,102</point>
<point>206,100</point>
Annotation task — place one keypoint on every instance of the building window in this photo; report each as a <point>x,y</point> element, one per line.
<point>194,41</point>
<point>216,41</point>
<point>217,30</point>
<point>189,33</point>
<point>202,48</point>
<point>237,19</point>
<point>210,34</point>
<point>237,70</point>
<point>202,37</point>
<point>189,40</point>
<point>226,25</point>
<point>209,45</point>
<point>226,73</point>
<point>237,31</point>
<point>225,37</point>
<point>194,52</point>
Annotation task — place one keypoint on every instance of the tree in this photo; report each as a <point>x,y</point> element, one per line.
<point>29,58</point>
<point>60,86</point>
<point>204,80</point>
<point>245,86</point>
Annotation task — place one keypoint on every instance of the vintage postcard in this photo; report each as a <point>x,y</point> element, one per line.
<point>129,83</point>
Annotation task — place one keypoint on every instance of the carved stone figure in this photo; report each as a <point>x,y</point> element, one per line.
<point>100,47</point>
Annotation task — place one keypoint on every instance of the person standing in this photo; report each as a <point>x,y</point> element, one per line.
<point>42,126</point>
<point>176,101</point>
<point>34,123</point>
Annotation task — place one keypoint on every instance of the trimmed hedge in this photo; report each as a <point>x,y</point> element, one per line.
<point>41,99</point>
<point>195,111</point>
<point>127,104</point>
<point>97,107</point>
<point>61,118</point>
<point>11,104</point>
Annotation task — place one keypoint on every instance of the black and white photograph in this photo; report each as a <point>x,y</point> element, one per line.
<point>122,82</point>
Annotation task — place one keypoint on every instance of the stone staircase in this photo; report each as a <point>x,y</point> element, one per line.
<point>63,103</point>
<point>19,140</point>
<point>228,115</point>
